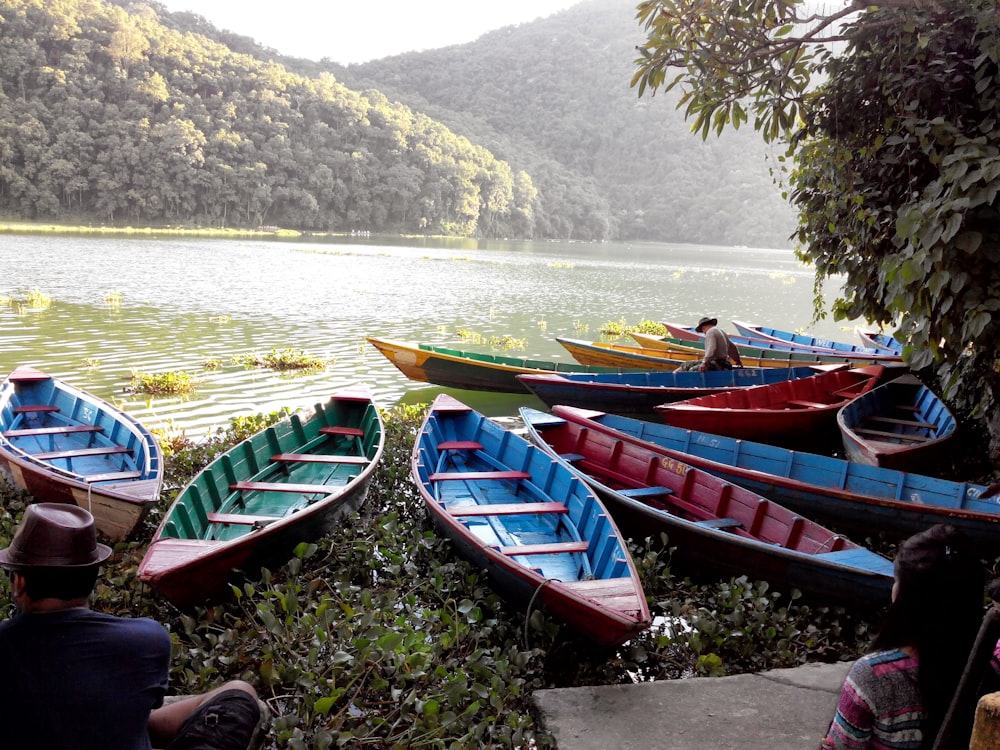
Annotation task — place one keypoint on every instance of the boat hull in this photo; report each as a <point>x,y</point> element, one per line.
<point>290,483</point>
<point>466,370</point>
<point>61,444</point>
<point>769,542</point>
<point>854,498</point>
<point>537,530</point>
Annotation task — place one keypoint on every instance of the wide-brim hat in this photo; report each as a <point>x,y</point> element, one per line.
<point>704,322</point>
<point>54,535</point>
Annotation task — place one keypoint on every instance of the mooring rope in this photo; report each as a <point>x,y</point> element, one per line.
<point>531,603</point>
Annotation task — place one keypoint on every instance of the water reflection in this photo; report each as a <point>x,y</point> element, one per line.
<point>185,302</point>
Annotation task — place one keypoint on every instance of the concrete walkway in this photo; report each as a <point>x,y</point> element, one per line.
<point>784,709</point>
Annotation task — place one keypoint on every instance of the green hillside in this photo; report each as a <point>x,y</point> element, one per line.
<point>557,90</point>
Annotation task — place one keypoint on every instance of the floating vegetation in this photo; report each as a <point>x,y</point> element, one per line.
<point>784,278</point>
<point>580,327</point>
<point>91,363</point>
<point>113,298</point>
<point>506,342</point>
<point>282,360</point>
<point>543,325</point>
<point>466,335</point>
<point>561,264</point>
<point>36,300</point>
<point>212,363</point>
<point>621,328</point>
<point>173,383</point>
<point>221,319</point>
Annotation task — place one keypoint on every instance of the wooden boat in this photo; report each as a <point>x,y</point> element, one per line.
<point>287,484</point>
<point>802,341</point>
<point>61,444</point>
<point>639,392</point>
<point>715,528</point>
<point>469,370</point>
<point>796,413</point>
<point>901,424</point>
<point>687,334</point>
<point>757,349</point>
<point>529,521</point>
<point>599,353</point>
<point>882,341</point>
<point>854,498</point>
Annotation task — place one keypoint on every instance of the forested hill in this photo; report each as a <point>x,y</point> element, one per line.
<point>557,91</point>
<point>115,111</point>
<point>127,116</point>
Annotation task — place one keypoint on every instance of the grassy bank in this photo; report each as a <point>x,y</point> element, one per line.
<point>380,637</point>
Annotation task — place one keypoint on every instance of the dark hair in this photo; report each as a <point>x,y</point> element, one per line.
<point>59,583</point>
<point>937,610</point>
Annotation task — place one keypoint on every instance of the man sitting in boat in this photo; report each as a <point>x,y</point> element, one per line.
<point>75,678</point>
<point>719,350</point>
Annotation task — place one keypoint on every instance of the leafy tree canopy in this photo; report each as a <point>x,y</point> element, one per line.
<point>889,112</point>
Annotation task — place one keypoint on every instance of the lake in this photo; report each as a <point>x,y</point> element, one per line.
<point>184,302</point>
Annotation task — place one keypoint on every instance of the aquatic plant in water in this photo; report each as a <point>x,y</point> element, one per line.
<point>282,360</point>
<point>173,383</point>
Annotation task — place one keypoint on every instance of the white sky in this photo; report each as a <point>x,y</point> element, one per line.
<point>351,31</point>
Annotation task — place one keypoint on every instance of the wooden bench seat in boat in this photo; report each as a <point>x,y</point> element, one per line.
<point>34,408</point>
<point>83,452</point>
<point>460,445</point>
<point>319,489</point>
<point>545,549</point>
<point>476,475</point>
<point>317,458</point>
<point>902,422</point>
<point>720,523</point>
<point>807,404</point>
<point>506,509</point>
<point>640,492</point>
<point>241,519</point>
<point>893,435</point>
<point>60,430</point>
<point>337,430</point>
<point>112,476</point>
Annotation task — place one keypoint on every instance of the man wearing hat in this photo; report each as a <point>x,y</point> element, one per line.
<point>719,350</point>
<point>76,678</point>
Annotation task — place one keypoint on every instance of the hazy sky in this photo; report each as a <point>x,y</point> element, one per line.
<point>350,31</point>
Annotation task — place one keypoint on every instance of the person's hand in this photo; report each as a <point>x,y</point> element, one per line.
<point>702,367</point>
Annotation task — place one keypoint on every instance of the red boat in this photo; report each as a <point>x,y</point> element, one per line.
<point>792,414</point>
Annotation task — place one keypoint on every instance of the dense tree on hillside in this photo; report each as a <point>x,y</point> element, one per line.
<point>557,92</point>
<point>107,114</point>
<point>896,153</point>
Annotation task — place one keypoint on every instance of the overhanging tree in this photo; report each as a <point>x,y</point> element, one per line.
<point>889,113</point>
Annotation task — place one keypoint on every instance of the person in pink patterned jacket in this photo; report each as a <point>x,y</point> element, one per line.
<point>896,696</point>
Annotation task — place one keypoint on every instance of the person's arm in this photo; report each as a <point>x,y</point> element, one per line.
<point>851,728</point>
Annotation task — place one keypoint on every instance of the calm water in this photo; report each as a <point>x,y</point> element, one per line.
<point>184,302</point>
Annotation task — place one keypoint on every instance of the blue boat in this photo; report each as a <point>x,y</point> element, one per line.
<point>852,497</point>
<point>884,341</point>
<point>715,528</point>
<point>805,342</point>
<point>537,529</point>
<point>639,392</point>
<point>749,342</point>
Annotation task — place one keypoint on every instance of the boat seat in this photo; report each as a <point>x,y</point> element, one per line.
<point>639,492</point>
<point>475,475</point>
<point>337,430</point>
<point>903,422</point>
<point>31,408</point>
<point>61,430</point>
<point>807,404</point>
<point>460,445</point>
<point>893,435</point>
<point>552,548</point>
<point>316,458</point>
<point>112,476</point>
<point>83,452</point>
<point>720,523</point>
<point>241,519</point>
<point>302,489</point>
<point>506,509</point>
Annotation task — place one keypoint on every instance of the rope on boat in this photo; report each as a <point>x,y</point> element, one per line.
<point>531,603</point>
<point>90,488</point>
